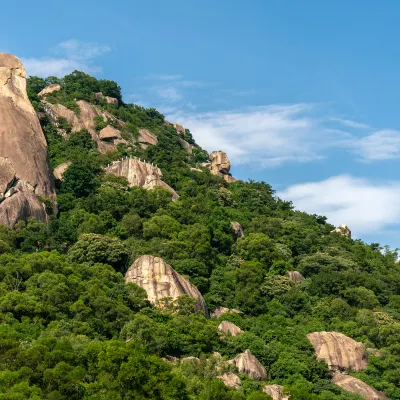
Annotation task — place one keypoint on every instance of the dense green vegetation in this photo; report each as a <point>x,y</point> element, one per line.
<point>71,329</point>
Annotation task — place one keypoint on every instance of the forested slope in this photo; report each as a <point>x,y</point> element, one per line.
<point>70,328</point>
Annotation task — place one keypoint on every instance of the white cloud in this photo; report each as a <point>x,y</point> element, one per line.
<point>380,145</point>
<point>68,56</point>
<point>267,136</point>
<point>365,206</point>
<point>170,93</point>
<point>350,123</point>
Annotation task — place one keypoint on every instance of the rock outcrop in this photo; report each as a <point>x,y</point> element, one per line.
<point>60,169</point>
<point>223,310</point>
<point>357,386</point>
<point>248,364</point>
<point>109,100</point>
<point>85,120</point>
<point>231,380</point>
<point>160,280</point>
<point>25,170</point>
<point>220,165</point>
<point>295,276</point>
<point>237,229</point>
<point>188,147</point>
<point>338,351</point>
<point>140,173</point>
<point>343,230</point>
<point>54,87</point>
<point>109,133</point>
<point>275,391</point>
<point>228,328</point>
<point>146,138</point>
<point>179,129</point>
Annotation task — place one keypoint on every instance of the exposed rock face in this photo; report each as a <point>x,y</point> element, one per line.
<point>295,276</point>
<point>190,359</point>
<point>357,386</point>
<point>187,146</point>
<point>237,229</point>
<point>229,329</point>
<point>60,169</point>
<point>160,280</point>
<point>231,380</point>
<point>109,133</point>
<point>343,230</point>
<point>109,100</point>
<point>220,165</point>
<point>25,170</point>
<point>84,121</point>
<point>246,363</point>
<point>146,138</point>
<point>275,391</point>
<point>139,173</point>
<point>222,310</point>
<point>179,128</point>
<point>338,351</point>
<point>54,87</point>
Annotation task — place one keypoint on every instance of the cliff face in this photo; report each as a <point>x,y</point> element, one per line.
<point>338,351</point>
<point>275,391</point>
<point>248,364</point>
<point>23,150</point>
<point>139,173</point>
<point>160,280</point>
<point>220,165</point>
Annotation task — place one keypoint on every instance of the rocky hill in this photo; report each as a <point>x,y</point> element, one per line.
<point>134,266</point>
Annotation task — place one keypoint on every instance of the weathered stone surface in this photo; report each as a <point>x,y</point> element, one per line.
<point>275,391</point>
<point>220,165</point>
<point>237,229</point>
<point>146,138</point>
<point>23,148</point>
<point>139,173</point>
<point>229,178</point>
<point>54,87</point>
<point>109,100</point>
<point>222,310</point>
<point>231,380</point>
<point>60,169</point>
<point>343,230</point>
<point>295,276</point>
<point>357,386</point>
<point>338,351</point>
<point>228,328</point>
<point>179,128</point>
<point>188,147</point>
<point>109,133</point>
<point>246,363</point>
<point>160,280</point>
<point>21,203</point>
<point>190,359</point>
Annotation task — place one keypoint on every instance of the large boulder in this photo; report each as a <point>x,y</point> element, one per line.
<point>223,310</point>
<point>343,230</point>
<point>237,229</point>
<point>60,169</point>
<point>220,165</point>
<point>53,87</point>
<point>108,99</point>
<point>295,276</point>
<point>109,133</point>
<point>338,351</point>
<point>228,328</point>
<point>275,391</point>
<point>146,138</point>
<point>23,149</point>
<point>231,380</point>
<point>160,280</point>
<point>248,364</point>
<point>139,173</point>
<point>354,385</point>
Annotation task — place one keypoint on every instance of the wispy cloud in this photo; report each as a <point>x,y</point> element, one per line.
<point>66,57</point>
<point>169,93</point>
<point>351,124</point>
<point>366,206</point>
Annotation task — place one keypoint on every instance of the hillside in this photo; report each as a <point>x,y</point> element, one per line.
<point>143,270</point>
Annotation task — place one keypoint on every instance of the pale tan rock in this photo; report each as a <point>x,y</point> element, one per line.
<point>160,280</point>
<point>246,363</point>
<point>60,169</point>
<point>231,380</point>
<point>229,178</point>
<point>190,359</point>
<point>146,138</point>
<point>220,162</point>
<point>109,100</point>
<point>338,351</point>
<point>275,391</point>
<point>53,87</point>
<point>139,173</point>
<point>228,328</point>
<point>357,386</point>
<point>237,229</point>
<point>23,147</point>
<point>109,133</point>
<point>295,276</point>
<point>223,310</point>
<point>20,204</point>
<point>188,147</point>
<point>7,176</point>
<point>343,230</point>
<point>179,128</point>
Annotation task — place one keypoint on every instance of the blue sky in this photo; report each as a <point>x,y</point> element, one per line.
<point>304,95</point>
